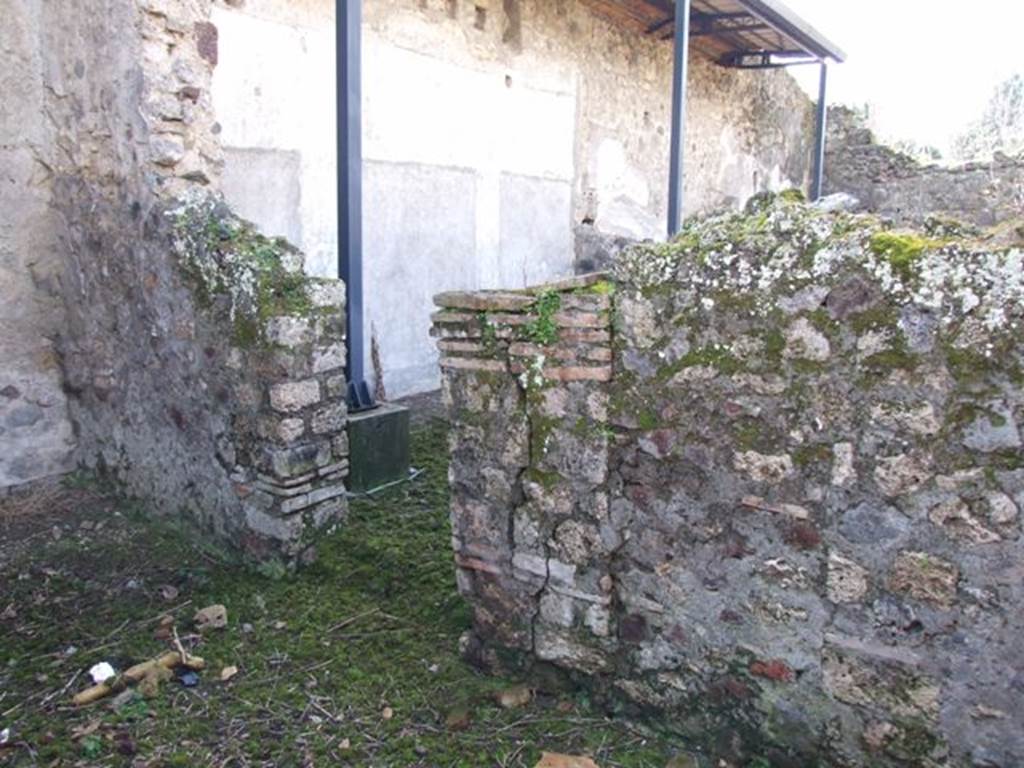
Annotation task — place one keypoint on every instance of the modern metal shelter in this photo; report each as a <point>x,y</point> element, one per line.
<point>348,61</point>
<point>745,34</point>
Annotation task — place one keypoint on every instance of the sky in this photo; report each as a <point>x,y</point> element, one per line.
<point>926,67</point>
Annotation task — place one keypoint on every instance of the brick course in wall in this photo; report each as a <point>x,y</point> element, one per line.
<point>525,379</point>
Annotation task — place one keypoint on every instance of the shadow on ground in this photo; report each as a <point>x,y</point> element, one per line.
<point>353,662</point>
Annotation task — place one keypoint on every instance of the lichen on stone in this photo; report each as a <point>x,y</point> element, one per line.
<point>780,245</point>
<point>229,261</point>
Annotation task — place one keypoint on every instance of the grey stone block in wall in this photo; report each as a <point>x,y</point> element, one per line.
<point>596,251</point>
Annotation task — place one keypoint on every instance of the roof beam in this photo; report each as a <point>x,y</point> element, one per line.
<point>723,29</point>
<point>704,21</point>
<point>749,27</point>
<point>776,14</point>
<point>766,59</point>
<point>758,17</point>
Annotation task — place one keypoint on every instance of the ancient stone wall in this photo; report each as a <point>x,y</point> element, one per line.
<point>36,438</point>
<point>892,184</point>
<point>203,370</point>
<point>527,456</point>
<point>791,518</point>
<point>215,386</point>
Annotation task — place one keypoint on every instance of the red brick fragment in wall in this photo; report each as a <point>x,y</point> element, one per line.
<point>727,690</point>
<point>207,41</point>
<point>663,440</point>
<point>772,670</point>
<point>803,536</point>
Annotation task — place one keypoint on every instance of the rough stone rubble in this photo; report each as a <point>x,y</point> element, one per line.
<point>788,509</point>
<point>203,370</point>
<point>893,184</point>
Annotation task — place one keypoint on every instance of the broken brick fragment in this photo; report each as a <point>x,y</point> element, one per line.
<point>774,669</point>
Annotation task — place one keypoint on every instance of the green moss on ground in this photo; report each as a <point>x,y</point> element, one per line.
<point>373,625</point>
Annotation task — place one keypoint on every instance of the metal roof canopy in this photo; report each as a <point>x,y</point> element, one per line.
<point>743,34</point>
<point>733,33</point>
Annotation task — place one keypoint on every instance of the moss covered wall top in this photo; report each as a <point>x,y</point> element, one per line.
<point>804,540</point>
<point>819,455</point>
<point>250,277</point>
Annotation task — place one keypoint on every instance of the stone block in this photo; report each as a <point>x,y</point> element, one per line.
<point>290,430</point>
<point>925,577</point>
<point>326,293</point>
<point>485,300</point>
<point>330,419</point>
<point>336,386</point>
<point>283,529</point>
<point>296,461</point>
<point>584,336</point>
<point>764,468</point>
<point>847,581</point>
<point>804,341</point>
<point>284,491</point>
<point>463,347</point>
<point>900,475</point>
<point>329,358</point>
<point>993,430</point>
<point>293,396</point>
<point>339,445</point>
<point>289,331</point>
<point>473,364</point>
<point>326,493</point>
<point>580,320</point>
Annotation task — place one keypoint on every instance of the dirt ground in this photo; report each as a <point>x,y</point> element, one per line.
<point>354,662</point>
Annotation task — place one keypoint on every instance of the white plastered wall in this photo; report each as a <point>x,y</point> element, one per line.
<point>468,174</point>
<point>483,145</point>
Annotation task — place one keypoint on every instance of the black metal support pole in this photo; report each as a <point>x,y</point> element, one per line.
<point>348,55</point>
<point>676,171</point>
<point>817,184</point>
